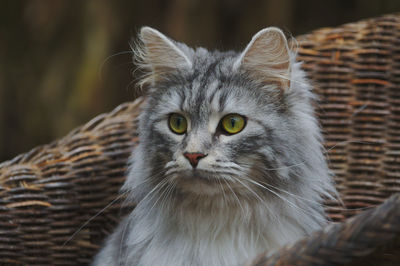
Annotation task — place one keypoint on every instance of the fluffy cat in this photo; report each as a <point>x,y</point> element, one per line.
<point>230,161</point>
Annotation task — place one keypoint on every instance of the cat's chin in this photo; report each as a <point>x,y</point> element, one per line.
<point>199,182</point>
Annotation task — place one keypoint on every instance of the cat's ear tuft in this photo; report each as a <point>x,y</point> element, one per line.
<point>267,57</point>
<point>158,55</point>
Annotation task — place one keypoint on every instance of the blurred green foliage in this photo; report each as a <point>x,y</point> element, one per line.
<point>64,61</point>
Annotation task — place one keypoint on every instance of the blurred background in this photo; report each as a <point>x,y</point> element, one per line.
<point>64,61</point>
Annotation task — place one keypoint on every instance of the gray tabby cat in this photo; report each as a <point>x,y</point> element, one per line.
<point>230,162</point>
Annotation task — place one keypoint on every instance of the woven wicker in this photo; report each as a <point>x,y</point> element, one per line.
<point>55,200</point>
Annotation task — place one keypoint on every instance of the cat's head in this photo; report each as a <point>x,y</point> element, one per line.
<point>216,122</point>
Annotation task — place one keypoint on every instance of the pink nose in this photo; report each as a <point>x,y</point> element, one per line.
<point>194,157</point>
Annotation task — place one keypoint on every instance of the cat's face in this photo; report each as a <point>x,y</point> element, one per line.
<point>210,129</point>
<point>216,121</point>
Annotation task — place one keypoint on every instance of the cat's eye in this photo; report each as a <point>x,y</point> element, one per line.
<point>233,123</point>
<point>177,123</point>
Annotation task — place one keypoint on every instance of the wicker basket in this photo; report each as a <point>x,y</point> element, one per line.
<point>58,201</point>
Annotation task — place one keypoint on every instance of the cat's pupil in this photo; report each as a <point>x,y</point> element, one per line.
<point>233,121</point>
<point>178,122</point>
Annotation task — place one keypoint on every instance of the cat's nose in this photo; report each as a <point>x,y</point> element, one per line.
<point>194,157</point>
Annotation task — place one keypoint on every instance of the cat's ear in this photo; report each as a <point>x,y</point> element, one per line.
<point>267,57</point>
<point>158,55</point>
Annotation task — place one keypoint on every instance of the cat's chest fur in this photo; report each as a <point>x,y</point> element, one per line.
<point>225,238</point>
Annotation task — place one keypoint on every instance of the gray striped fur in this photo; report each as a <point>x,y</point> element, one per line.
<point>255,191</point>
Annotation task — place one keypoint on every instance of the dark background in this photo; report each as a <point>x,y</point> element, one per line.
<point>64,61</point>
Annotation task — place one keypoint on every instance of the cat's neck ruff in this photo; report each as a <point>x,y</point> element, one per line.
<point>208,232</point>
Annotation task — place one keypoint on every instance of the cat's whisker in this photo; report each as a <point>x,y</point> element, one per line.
<point>224,178</point>
<point>228,164</point>
<point>284,199</point>
<point>249,179</point>
<point>132,188</point>
<point>169,194</point>
<point>230,168</point>
<point>293,195</point>
<point>234,195</point>
<point>121,195</point>
<point>247,187</point>
<point>321,204</point>
<point>223,192</point>
<point>227,171</point>
<point>297,196</point>
<point>352,141</point>
<point>257,196</point>
<point>163,197</point>
<point>146,180</point>
<point>251,190</point>
<point>155,188</point>
<point>277,168</point>
<point>172,169</point>
<point>121,242</point>
<point>93,217</point>
<point>164,182</point>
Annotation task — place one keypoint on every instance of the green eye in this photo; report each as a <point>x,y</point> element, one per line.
<point>233,123</point>
<point>177,123</point>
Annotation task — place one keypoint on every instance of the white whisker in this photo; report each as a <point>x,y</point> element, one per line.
<point>93,217</point>
<point>352,141</point>
<point>121,195</point>
<point>158,187</point>
<point>284,199</point>
<point>234,194</point>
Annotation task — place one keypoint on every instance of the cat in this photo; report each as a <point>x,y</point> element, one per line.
<point>230,162</point>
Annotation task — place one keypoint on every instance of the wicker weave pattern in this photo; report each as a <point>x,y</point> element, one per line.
<point>47,194</point>
<point>356,70</point>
